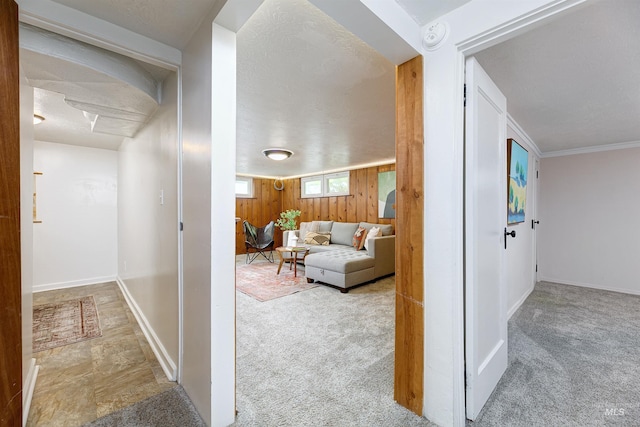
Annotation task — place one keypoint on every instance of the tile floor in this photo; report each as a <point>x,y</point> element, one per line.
<point>81,382</point>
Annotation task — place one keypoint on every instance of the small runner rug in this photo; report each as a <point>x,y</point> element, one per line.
<point>261,282</point>
<point>64,323</point>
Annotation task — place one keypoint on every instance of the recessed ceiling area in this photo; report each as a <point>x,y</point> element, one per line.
<point>573,83</point>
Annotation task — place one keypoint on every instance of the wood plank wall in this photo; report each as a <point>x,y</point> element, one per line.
<point>409,347</point>
<point>267,203</point>
<point>10,270</point>
<point>265,206</point>
<point>360,205</point>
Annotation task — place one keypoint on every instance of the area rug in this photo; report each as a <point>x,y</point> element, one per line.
<point>261,282</point>
<point>64,323</point>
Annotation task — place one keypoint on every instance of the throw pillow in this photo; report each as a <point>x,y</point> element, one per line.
<point>359,238</point>
<point>374,232</point>
<point>313,238</point>
<point>306,227</point>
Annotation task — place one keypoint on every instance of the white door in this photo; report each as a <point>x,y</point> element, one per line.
<point>485,222</point>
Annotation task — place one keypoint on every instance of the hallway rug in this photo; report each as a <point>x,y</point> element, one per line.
<point>261,282</point>
<point>64,323</point>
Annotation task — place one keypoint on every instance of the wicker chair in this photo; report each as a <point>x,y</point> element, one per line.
<point>258,241</point>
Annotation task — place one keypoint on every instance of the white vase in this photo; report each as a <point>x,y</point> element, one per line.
<point>293,239</point>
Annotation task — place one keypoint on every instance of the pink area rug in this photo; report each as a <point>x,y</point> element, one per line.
<point>63,323</point>
<point>261,282</point>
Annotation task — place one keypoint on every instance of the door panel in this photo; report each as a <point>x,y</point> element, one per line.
<point>485,219</point>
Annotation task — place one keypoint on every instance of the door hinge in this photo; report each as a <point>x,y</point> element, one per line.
<point>536,268</point>
<point>181,226</point>
<point>537,174</point>
<point>464,95</point>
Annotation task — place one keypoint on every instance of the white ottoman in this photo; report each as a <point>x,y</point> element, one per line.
<point>341,268</point>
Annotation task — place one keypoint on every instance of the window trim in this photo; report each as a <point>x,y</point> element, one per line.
<point>249,181</point>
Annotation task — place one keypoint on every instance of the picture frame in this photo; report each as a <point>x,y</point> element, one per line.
<point>517,175</point>
<point>387,194</point>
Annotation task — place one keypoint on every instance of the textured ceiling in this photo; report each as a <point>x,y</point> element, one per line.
<point>308,85</point>
<point>425,11</point>
<point>171,22</point>
<point>574,83</point>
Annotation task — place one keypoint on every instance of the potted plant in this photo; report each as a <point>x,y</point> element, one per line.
<point>287,222</point>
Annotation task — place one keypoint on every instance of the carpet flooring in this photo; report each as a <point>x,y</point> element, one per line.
<point>62,323</point>
<point>171,408</point>
<point>319,358</point>
<point>260,281</point>
<point>574,360</point>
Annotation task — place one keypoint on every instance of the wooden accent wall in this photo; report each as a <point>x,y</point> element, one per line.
<point>265,206</point>
<point>360,205</point>
<point>10,275</point>
<point>409,346</point>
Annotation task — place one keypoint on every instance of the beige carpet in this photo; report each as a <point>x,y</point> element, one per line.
<point>64,323</point>
<point>261,282</point>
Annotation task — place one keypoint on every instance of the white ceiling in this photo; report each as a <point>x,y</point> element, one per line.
<point>306,84</point>
<point>573,83</point>
<point>172,22</point>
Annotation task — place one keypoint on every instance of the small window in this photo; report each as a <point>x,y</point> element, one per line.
<point>311,186</point>
<point>336,184</point>
<point>244,186</point>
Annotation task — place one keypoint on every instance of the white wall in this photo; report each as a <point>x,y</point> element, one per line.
<point>76,243</point>
<point>520,254</point>
<point>148,226</point>
<point>29,371</point>
<point>196,199</point>
<point>589,210</point>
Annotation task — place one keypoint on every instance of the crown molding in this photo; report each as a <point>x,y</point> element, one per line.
<point>593,149</point>
<point>514,125</point>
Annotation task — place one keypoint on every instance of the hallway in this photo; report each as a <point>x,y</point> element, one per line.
<point>81,382</point>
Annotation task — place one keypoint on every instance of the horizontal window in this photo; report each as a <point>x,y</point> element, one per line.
<point>335,184</point>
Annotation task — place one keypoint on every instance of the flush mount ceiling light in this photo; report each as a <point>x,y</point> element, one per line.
<point>37,119</point>
<point>277,153</point>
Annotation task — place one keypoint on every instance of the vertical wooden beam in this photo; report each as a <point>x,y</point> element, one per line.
<point>10,274</point>
<point>409,345</point>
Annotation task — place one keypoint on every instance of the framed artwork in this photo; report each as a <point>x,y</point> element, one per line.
<point>387,194</point>
<point>517,169</point>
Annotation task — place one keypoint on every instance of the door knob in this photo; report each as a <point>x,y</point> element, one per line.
<point>511,233</point>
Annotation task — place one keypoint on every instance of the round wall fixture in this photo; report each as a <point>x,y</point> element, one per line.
<point>278,184</point>
<point>434,36</point>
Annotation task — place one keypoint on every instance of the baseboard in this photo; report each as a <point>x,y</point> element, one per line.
<point>518,303</point>
<point>590,285</point>
<point>27,390</point>
<point>73,283</point>
<point>168,365</point>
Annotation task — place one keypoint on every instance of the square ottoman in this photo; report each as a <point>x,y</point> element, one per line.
<point>342,268</point>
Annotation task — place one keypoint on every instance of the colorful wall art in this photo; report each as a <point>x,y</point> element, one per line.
<point>517,168</point>
<point>387,194</point>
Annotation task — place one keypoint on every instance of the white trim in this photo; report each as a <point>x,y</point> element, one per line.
<point>518,303</point>
<point>594,149</point>
<point>167,364</point>
<point>72,23</point>
<point>180,237</point>
<point>27,390</point>
<point>73,283</point>
<point>590,286</point>
<point>515,126</point>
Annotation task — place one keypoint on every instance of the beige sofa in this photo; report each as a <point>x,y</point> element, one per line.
<point>339,264</point>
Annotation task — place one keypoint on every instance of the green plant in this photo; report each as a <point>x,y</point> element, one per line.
<point>287,220</point>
